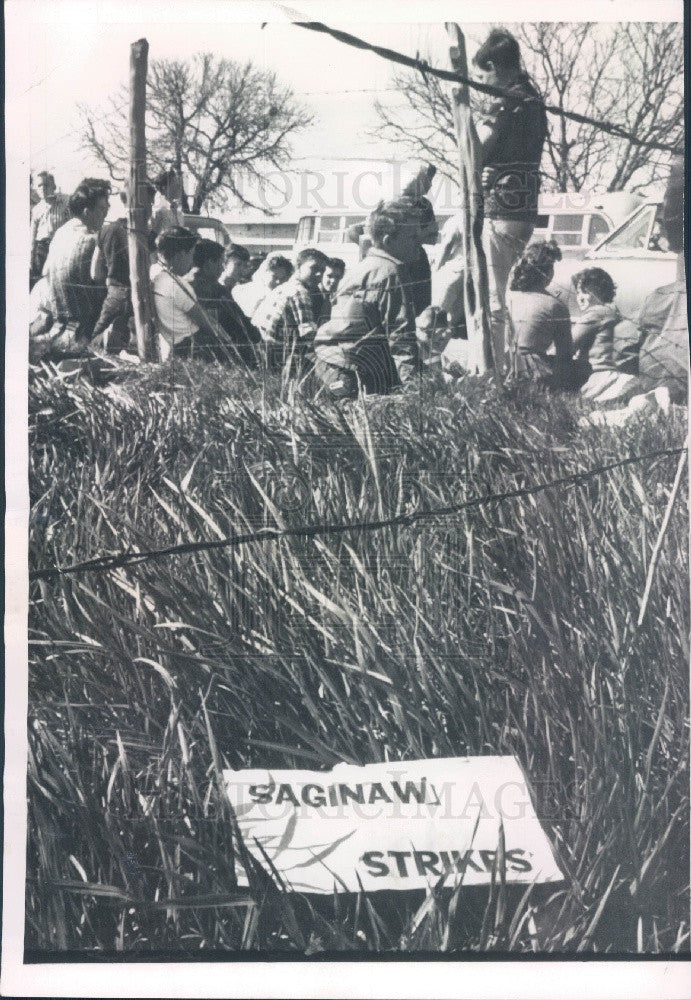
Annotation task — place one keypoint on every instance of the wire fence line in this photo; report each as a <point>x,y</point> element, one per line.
<point>104,563</point>
<point>452,77</point>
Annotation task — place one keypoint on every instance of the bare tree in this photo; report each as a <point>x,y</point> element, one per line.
<point>630,74</point>
<point>222,121</point>
<point>434,138</point>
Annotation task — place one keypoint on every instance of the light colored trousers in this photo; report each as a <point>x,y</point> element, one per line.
<point>503,241</point>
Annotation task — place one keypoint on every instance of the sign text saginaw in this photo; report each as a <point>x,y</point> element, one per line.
<point>392,825</point>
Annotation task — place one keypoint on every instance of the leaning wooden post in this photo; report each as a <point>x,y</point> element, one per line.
<point>475,286</point>
<point>138,245</point>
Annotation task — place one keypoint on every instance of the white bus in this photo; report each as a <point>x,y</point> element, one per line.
<point>575,220</point>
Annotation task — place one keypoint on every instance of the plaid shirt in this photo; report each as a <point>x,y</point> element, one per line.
<point>74,297</point>
<point>287,315</point>
<point>48,216</point>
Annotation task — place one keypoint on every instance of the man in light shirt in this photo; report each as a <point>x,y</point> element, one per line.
<point>51,212</point>
<point>165,213</point>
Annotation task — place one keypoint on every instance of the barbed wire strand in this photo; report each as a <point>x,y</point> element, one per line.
<point>104,563</point>
<point>443,74</point>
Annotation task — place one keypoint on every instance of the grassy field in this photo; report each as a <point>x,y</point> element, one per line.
<point>510,628</point>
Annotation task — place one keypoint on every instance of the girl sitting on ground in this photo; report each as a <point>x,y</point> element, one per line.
<point>606,345</point>
<point>538,321</point>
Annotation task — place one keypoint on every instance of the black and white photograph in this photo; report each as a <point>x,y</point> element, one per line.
<point>347,533</point>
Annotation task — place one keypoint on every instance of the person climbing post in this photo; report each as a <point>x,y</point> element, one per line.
<point>512,133</point>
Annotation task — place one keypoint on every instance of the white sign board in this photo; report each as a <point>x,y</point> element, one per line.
<point>392,825</point>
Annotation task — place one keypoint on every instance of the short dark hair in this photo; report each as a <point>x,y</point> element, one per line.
<point>238,252</point>
<point>163,180</point>
<point>205,251</point>
<point>336,264</point>
<point>175,240</point>
<point>532,272</point>
<point>499,48</point>
<point>354,232</point>
<point>311,253</point>
<point>87,193</point>
<point>45,175</point>
<point>278,263</point>
<point>391,217</point>
<point>597,281</point>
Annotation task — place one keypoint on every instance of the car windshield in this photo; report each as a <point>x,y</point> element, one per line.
<point>635,234</point>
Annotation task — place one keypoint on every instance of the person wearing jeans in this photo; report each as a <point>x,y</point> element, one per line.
<point>512,133</point>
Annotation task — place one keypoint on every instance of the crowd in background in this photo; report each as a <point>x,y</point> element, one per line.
<point>365,330</point>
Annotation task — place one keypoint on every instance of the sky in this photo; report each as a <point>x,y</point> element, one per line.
<point>75,51</point>
<point>337,83</point>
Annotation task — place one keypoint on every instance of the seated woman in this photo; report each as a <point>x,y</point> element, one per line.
<point>606,345</point>
<point>538,321</point>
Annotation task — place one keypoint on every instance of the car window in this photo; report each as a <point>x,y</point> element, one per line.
<point>568,229</point>
<point>634,234</point>
<point>208,233</point>
<point>597,229</point>
<point>330,229</point>
<point>306,229</point>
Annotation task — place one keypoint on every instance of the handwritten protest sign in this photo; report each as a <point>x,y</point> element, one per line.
<point>392,825</point>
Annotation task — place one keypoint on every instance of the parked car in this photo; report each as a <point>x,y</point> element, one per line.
<point>207,228</point>
<point>578,221</point>
<point>575,220</point>
<point>636,255</point>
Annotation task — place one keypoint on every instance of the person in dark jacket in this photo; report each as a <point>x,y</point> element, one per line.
<point>216,300</point>
<point>512,134</point>
<point>370,340</point>
<point>111,265</point>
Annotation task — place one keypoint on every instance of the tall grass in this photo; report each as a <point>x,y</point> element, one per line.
<point>508,629</point>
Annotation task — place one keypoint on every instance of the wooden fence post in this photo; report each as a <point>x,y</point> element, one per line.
<point>475,285</point>
<point>138,235</point>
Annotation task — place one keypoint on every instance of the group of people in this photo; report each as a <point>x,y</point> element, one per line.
<point>198,316</point>
<point>81,292</point>
<point>358,332</point>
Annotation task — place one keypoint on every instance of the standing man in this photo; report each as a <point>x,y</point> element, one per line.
<point>332,277</point>
<point>165,213</point>
<point>512,134</point>
<point>51,211</point>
